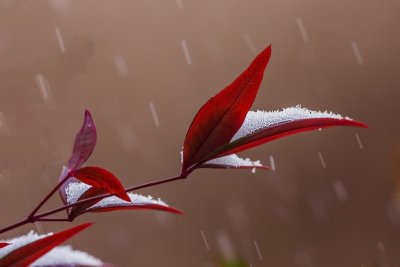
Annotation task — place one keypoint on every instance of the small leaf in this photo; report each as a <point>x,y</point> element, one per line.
<point>233,162</point>
<point>85,142</point>
<point>3,244</point>
<point>101,178</point>
<point>79,191</point>
<point>24,256</point>
<point>220,118</point>
<point>261,127</point>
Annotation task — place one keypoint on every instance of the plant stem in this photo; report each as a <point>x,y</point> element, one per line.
<point>53,220</point>
<point>32,214</point>
<point>15,225</point>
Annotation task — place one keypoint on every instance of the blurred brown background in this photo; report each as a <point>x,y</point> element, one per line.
<point>119,58</point>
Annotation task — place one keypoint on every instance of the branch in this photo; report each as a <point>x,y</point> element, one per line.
<point>42,216</point>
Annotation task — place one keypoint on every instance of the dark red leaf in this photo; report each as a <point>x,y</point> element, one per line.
<point>282,129</point>
<point>3,244</point>
<point>85,141</point>
<point>114,204</point>
<point>27,254</point>
<point>219,119</point>
<point>133,206</point>
<point>101,178</point>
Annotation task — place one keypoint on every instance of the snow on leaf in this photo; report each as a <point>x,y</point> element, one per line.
<point>75,190</point>
<point>66,256</point>
<point>82,207</point>
<point>21,241</point>
<point>64,174</point>
<point>258,120</point>
<point>27,249</point>
<point>261,126</point>
<point>233,161</point>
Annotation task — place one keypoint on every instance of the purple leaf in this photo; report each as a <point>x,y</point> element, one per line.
<point>85,142</point>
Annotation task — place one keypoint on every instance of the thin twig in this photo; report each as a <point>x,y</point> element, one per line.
<point>32,214</point>
<point>53,220</point>
<point>15,225</point>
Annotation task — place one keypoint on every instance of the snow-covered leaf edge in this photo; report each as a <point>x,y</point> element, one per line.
<point>75,190</point>
<point>260,127</point>
<point>233,161</point>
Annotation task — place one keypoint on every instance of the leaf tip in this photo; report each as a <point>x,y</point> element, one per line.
<point>88,119</point>
<point>174,210</point>
<point>265,167</point>
<point>358,124</point>
<point>124,196</point>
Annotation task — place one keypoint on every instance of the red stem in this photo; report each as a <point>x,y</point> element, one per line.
<point>53,220</point>
<point>32,214</point>
<point>15,225</point>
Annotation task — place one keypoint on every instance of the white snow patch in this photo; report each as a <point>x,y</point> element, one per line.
<point>257,120</point>
<point>234,161</point>
<point>62,255</point>
<point>65,255</point>
<point>136,200</point>
<point>20,241</point>
<point>75,190</point>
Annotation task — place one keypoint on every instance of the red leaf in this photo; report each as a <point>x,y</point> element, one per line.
<point>291,124</point>
<point>219,119</point>
<point>136,207</point>
<point>136,204</point>
<point>233,162</point>
<point>27,254</point>
<point>112,203</point>
<point>3,244</point>
<point>101,178</point>
<point>85,141</point>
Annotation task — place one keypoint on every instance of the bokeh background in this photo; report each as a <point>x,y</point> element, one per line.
<point>144,68</point>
